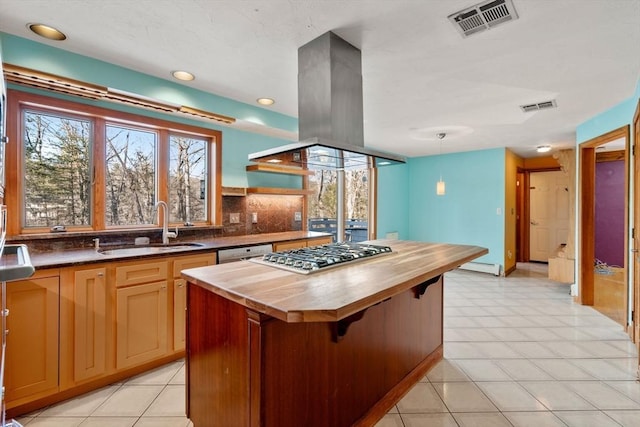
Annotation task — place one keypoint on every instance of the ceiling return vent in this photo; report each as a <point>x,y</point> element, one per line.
<point>483,16</point>
<point>538,106</point>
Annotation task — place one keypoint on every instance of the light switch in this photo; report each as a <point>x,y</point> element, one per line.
<point>254,217</point>
<point>234,218</point>
<point>297,216</point>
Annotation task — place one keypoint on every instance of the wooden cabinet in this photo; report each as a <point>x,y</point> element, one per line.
<point>141,332</point>
<point>90,323</point>
<point>302,243</point>
<point>180,294</point>
<point>32,343</point>
<point>141,312</point>
<point>319,240</point>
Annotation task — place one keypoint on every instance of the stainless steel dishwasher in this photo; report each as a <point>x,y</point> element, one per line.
<point>238,254</point>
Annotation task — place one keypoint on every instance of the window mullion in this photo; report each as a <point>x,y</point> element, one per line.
<point>98,167</point>
<point>162,168</point>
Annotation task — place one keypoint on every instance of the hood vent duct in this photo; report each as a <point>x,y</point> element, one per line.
<point>483,16</point>
<point>330,112</point>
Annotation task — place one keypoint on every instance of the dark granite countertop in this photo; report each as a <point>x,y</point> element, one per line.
<point>71,257</point>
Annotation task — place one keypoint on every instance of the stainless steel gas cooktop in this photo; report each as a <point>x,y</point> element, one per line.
<point>319,258</point>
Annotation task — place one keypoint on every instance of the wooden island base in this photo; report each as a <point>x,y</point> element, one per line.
<point>248,369</point>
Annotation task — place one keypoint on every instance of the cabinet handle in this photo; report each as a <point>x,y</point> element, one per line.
<point>163,287</point>
<point>100,274</point>
<point>181,285</point>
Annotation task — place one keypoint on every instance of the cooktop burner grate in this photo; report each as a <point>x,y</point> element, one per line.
<point>316,258</point>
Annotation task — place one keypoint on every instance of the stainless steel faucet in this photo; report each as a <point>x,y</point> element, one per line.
<point>166,234</point>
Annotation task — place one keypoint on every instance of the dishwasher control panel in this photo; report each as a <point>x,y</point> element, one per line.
<point>237,254</point>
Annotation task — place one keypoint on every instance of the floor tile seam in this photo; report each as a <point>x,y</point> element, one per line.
<point>582,410</point>
<point>523,388</point>
<point>154,400</point>
<point>118,388</point>
<point>604,383</point>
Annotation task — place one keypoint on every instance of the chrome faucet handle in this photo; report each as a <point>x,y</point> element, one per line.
<point>172,234</point>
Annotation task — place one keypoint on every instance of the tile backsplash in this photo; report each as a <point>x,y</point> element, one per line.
<point>273,214</point>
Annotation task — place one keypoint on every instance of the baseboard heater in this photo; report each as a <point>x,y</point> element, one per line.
<point>481,267</point>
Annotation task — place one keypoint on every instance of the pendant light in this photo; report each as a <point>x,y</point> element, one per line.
<point>440,186</point>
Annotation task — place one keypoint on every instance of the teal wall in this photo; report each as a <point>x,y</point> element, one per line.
<point>615,117</point>
<point>468,212</point>
<point>393,201</point>
<point>236,144</point>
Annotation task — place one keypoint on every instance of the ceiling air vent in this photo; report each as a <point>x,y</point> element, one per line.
<point>539,106</point>
<point>483,16</point>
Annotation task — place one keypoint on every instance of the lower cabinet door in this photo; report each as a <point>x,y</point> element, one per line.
<point>32,342</point>
<point>90,323</point>
<point>141,333</point>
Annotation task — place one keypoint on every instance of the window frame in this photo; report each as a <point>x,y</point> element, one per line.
<point>100,116</point>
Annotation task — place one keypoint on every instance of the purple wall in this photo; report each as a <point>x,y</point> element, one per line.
<point>610,212</point>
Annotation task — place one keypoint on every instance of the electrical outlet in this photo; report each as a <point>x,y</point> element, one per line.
<point>234,218</point>
<point>254,217</point>
<point>297,216</point>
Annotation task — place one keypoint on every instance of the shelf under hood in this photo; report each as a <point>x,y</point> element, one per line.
<point>318,153</point>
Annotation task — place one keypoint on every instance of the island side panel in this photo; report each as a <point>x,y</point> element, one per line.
<point>248,369</point>
<point>217,360</point>
<point>310,379</point>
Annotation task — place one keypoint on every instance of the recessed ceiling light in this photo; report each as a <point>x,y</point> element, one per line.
<point>265,101</point>
<point>183,75</point>
<point>543,148</point>
<point>47,32</point>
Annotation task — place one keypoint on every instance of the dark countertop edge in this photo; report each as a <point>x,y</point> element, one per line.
<point>75,257</point>
<point>338,313</point>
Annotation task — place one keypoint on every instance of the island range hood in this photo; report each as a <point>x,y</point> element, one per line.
<point>330,118</point>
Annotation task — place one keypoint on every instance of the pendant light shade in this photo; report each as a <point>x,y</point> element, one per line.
<point>440,186</point>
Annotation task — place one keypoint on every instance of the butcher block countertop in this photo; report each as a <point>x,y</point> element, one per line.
<point>336,293</point>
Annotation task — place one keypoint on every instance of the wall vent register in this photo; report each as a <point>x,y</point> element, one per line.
<point>319,258</point>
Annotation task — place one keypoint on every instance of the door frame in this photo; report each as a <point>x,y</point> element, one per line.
<point>523,204</point>
<point>586,217</point>
<point>634,326</point>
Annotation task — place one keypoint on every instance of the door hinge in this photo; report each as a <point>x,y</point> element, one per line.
<point>633,150</point>
<point>633,232</point>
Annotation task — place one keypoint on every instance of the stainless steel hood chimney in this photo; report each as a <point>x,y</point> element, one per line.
<point>330,118</point>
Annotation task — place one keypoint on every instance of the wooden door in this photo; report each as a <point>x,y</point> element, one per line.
<point>32,343</point>
<point>141,332</point>
<point>549,213</point>
<point>90,323</point>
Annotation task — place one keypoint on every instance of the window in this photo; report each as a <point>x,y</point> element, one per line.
<point>89,168</point>
<point>187,179</point>
<point>130,175</point>
<point>323,203</point>
<point>56,164</point>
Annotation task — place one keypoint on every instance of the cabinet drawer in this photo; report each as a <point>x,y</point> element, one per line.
<point>286,246</point>
<point>193,261</point>
<point>134,274</point>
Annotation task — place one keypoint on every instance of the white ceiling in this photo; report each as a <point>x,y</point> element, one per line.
<point>420,76</point>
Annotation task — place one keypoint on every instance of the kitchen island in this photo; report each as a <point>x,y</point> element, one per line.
<point>268,347</point>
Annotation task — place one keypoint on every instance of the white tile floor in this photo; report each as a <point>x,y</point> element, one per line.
<point>518,352</point>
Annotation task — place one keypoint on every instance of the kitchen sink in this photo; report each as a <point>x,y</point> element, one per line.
<point>148,250</point>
